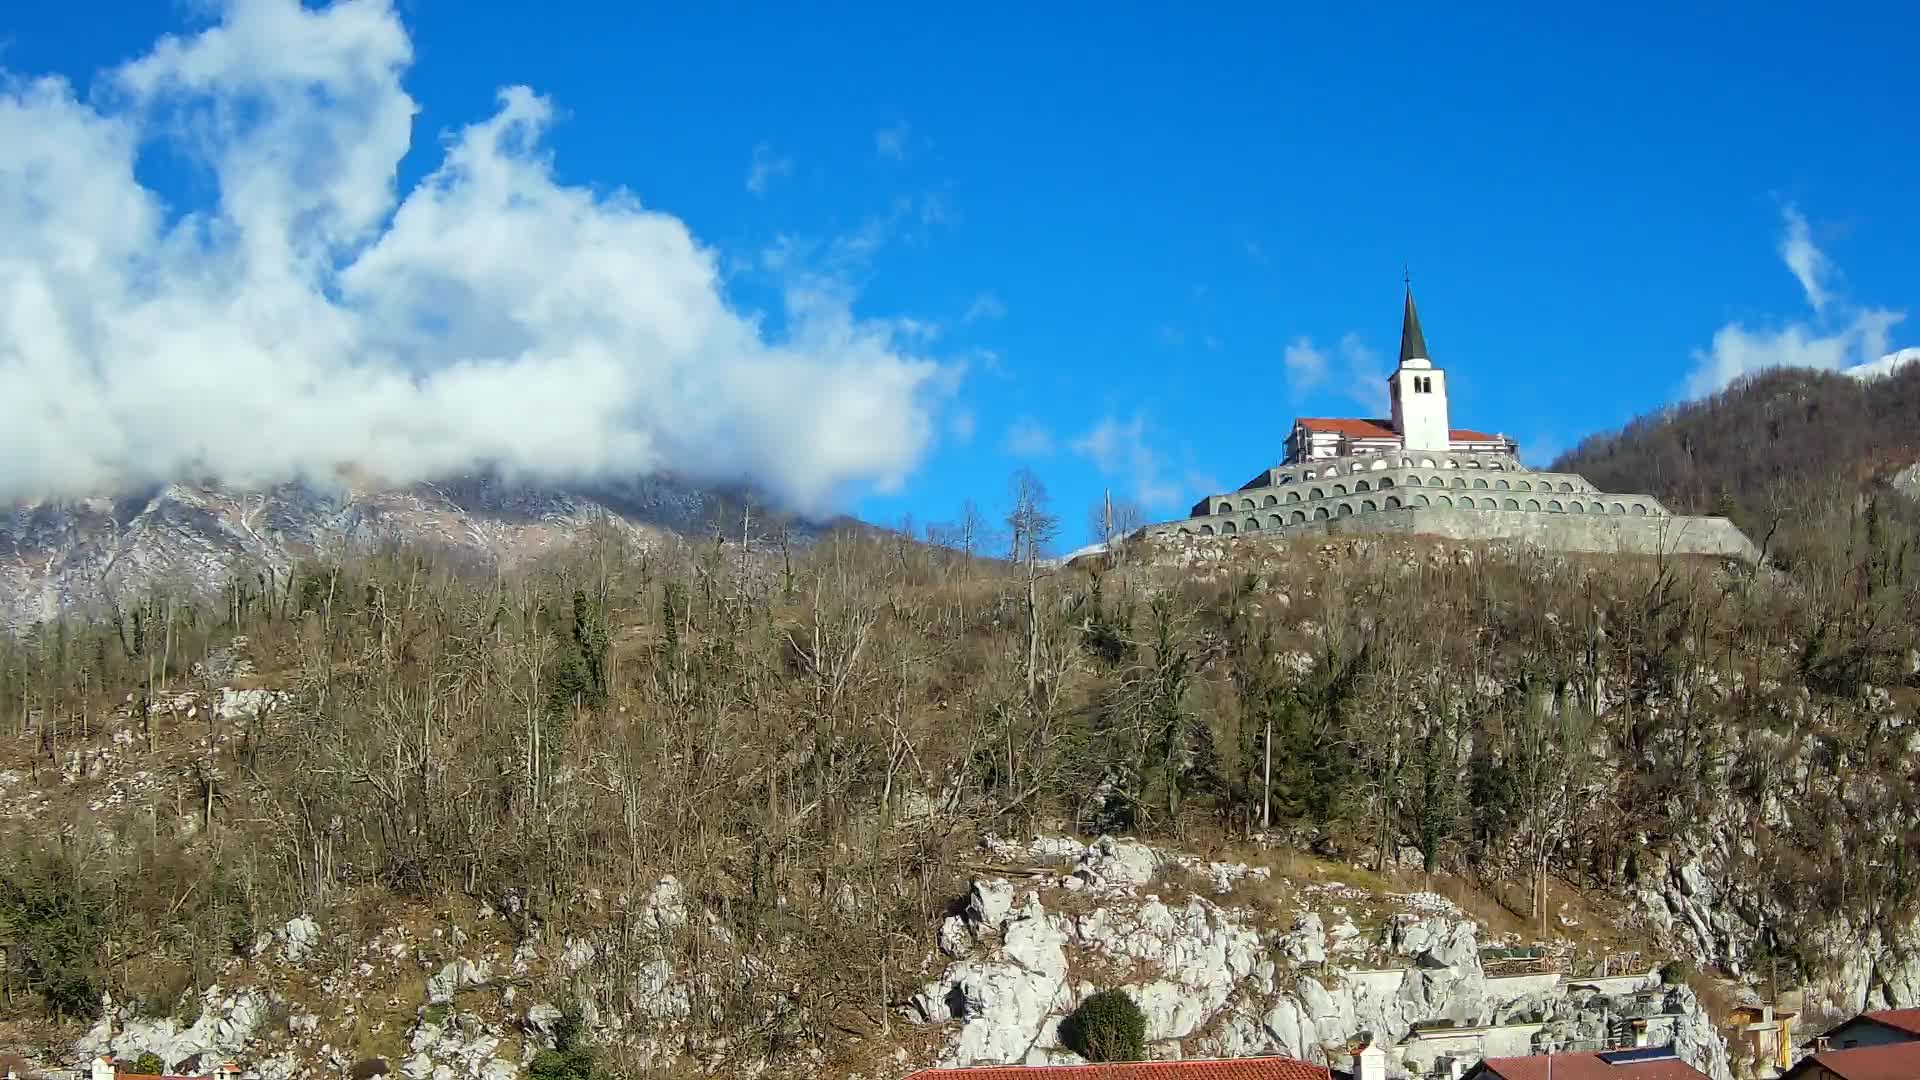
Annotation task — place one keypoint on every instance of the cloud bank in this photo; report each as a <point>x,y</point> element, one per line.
<point>1841,336</point>
<point>312,317</point>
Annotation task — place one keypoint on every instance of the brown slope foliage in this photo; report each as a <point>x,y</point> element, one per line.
<point>813,747</point>
<point>1781,452</point>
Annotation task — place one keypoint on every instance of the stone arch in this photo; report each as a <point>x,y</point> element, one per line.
<point>1367,506</point>
<point>1362,485</point>
<point>1252,525</point>
<point>1449,463</point>
<point>1533,504</point>
<point>1225,507</point>
<point>1422,500</point>
<point>1576,506</point>
<point>1597,508</point>
<point>1227,529</point>
<point>1480,482</point>
<point>1206,530</point>
<point>1392,503</point>
<point>1473,463</point>
<point>1184,531</point>
<point>1502,484</point>
<point>1299,517</point>
<point>1271,500</point>
<point>1386,482</point>
<point>1414,481</point>
<point>1293,496</point>
<point>1346,509</point>
<point>1460,481</point>
<point>1246,504</point>
<point>1523,485</point>
<point>1640,508</point>
<point>1496,466</point>
<point>1320,513</point>
<point>1554,505</point>
<point>1509,504</point>
<point>1564,486</point>
<point>1406,463</point>
<point>1427,463</point>
<point>1317,494</point>
<point>1378,464</point>
<point>1445,501</point>
<point>1339,489</point>
<point>1619,508</point>
<point>1358,466</point>
<point>1286,479</point>
<point>1308,475</point>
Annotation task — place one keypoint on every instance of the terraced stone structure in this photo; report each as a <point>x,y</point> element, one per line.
<point>1416,474</point>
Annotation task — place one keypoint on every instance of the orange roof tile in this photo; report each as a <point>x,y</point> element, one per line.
<point>1889,1061</point>
<point>1907,1020</point>
<point>1354,427</point>
<point>1265,1068</point>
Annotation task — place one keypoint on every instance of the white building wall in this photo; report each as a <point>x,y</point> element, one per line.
<point>1420,406</point>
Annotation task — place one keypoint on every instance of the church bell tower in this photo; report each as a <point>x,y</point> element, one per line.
<point>1419,390</point>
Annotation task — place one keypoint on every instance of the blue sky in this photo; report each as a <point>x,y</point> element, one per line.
<point>1132,248</point>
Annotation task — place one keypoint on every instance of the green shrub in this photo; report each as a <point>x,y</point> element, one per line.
<point>1107,1026</point>
<point>575,1064</point>
<point>150,1064</point>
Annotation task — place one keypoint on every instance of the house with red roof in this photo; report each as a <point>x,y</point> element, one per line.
<point>1880,1045</point>
<point>1640,1063</point>
<point>1873,1029</point>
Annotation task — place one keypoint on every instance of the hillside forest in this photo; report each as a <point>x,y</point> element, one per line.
<point>813,741</point>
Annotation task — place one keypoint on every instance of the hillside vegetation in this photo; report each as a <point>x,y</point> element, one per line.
<point>1782,453</point>
<point>812,744</point>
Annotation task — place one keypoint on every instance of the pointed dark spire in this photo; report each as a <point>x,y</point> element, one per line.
<point>1413,344</point>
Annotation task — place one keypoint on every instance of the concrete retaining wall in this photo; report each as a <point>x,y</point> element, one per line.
<point>1596,533</point>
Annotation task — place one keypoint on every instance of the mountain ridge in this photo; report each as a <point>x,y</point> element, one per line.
<point>87,555</point>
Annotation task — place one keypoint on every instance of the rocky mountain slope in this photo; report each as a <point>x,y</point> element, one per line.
<point>81,556</point>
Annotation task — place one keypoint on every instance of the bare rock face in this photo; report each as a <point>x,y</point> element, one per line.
<point>1214,981</point>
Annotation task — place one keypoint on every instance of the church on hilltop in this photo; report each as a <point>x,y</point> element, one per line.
<point>1414,473</point>
<point>1418,391</point>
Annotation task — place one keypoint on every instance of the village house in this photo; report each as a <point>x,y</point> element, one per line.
<point>1883,1045</point>
<point>1639,1063</point>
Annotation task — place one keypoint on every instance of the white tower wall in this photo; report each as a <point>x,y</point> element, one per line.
<point>1419,393</point>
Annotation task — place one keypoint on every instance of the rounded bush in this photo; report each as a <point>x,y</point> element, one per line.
<point>1107,1026</point>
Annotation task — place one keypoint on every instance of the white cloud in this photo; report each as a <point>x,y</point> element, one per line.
<point>1119,448</point>
<point>1352,370</point>
<point>1808,263</point>
<point>985,306</point>
<point>313,318</point>
<point>765,168</point>
<point>1841,336</point>
<point>1028,438</point>
<point>891,143</point>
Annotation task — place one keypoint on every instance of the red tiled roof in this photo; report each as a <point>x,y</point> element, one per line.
<point>1907,1020</point>
<point>1351,427</point>
<point>1889,1061</point>
<point>1590,1066</point>
<point>1265,1068</point>
<point>1358,428</point>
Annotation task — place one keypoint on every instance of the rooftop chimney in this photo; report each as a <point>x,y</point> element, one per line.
<point>1369,1061</point>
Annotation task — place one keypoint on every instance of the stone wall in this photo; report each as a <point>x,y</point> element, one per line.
<point>1598,533</point>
